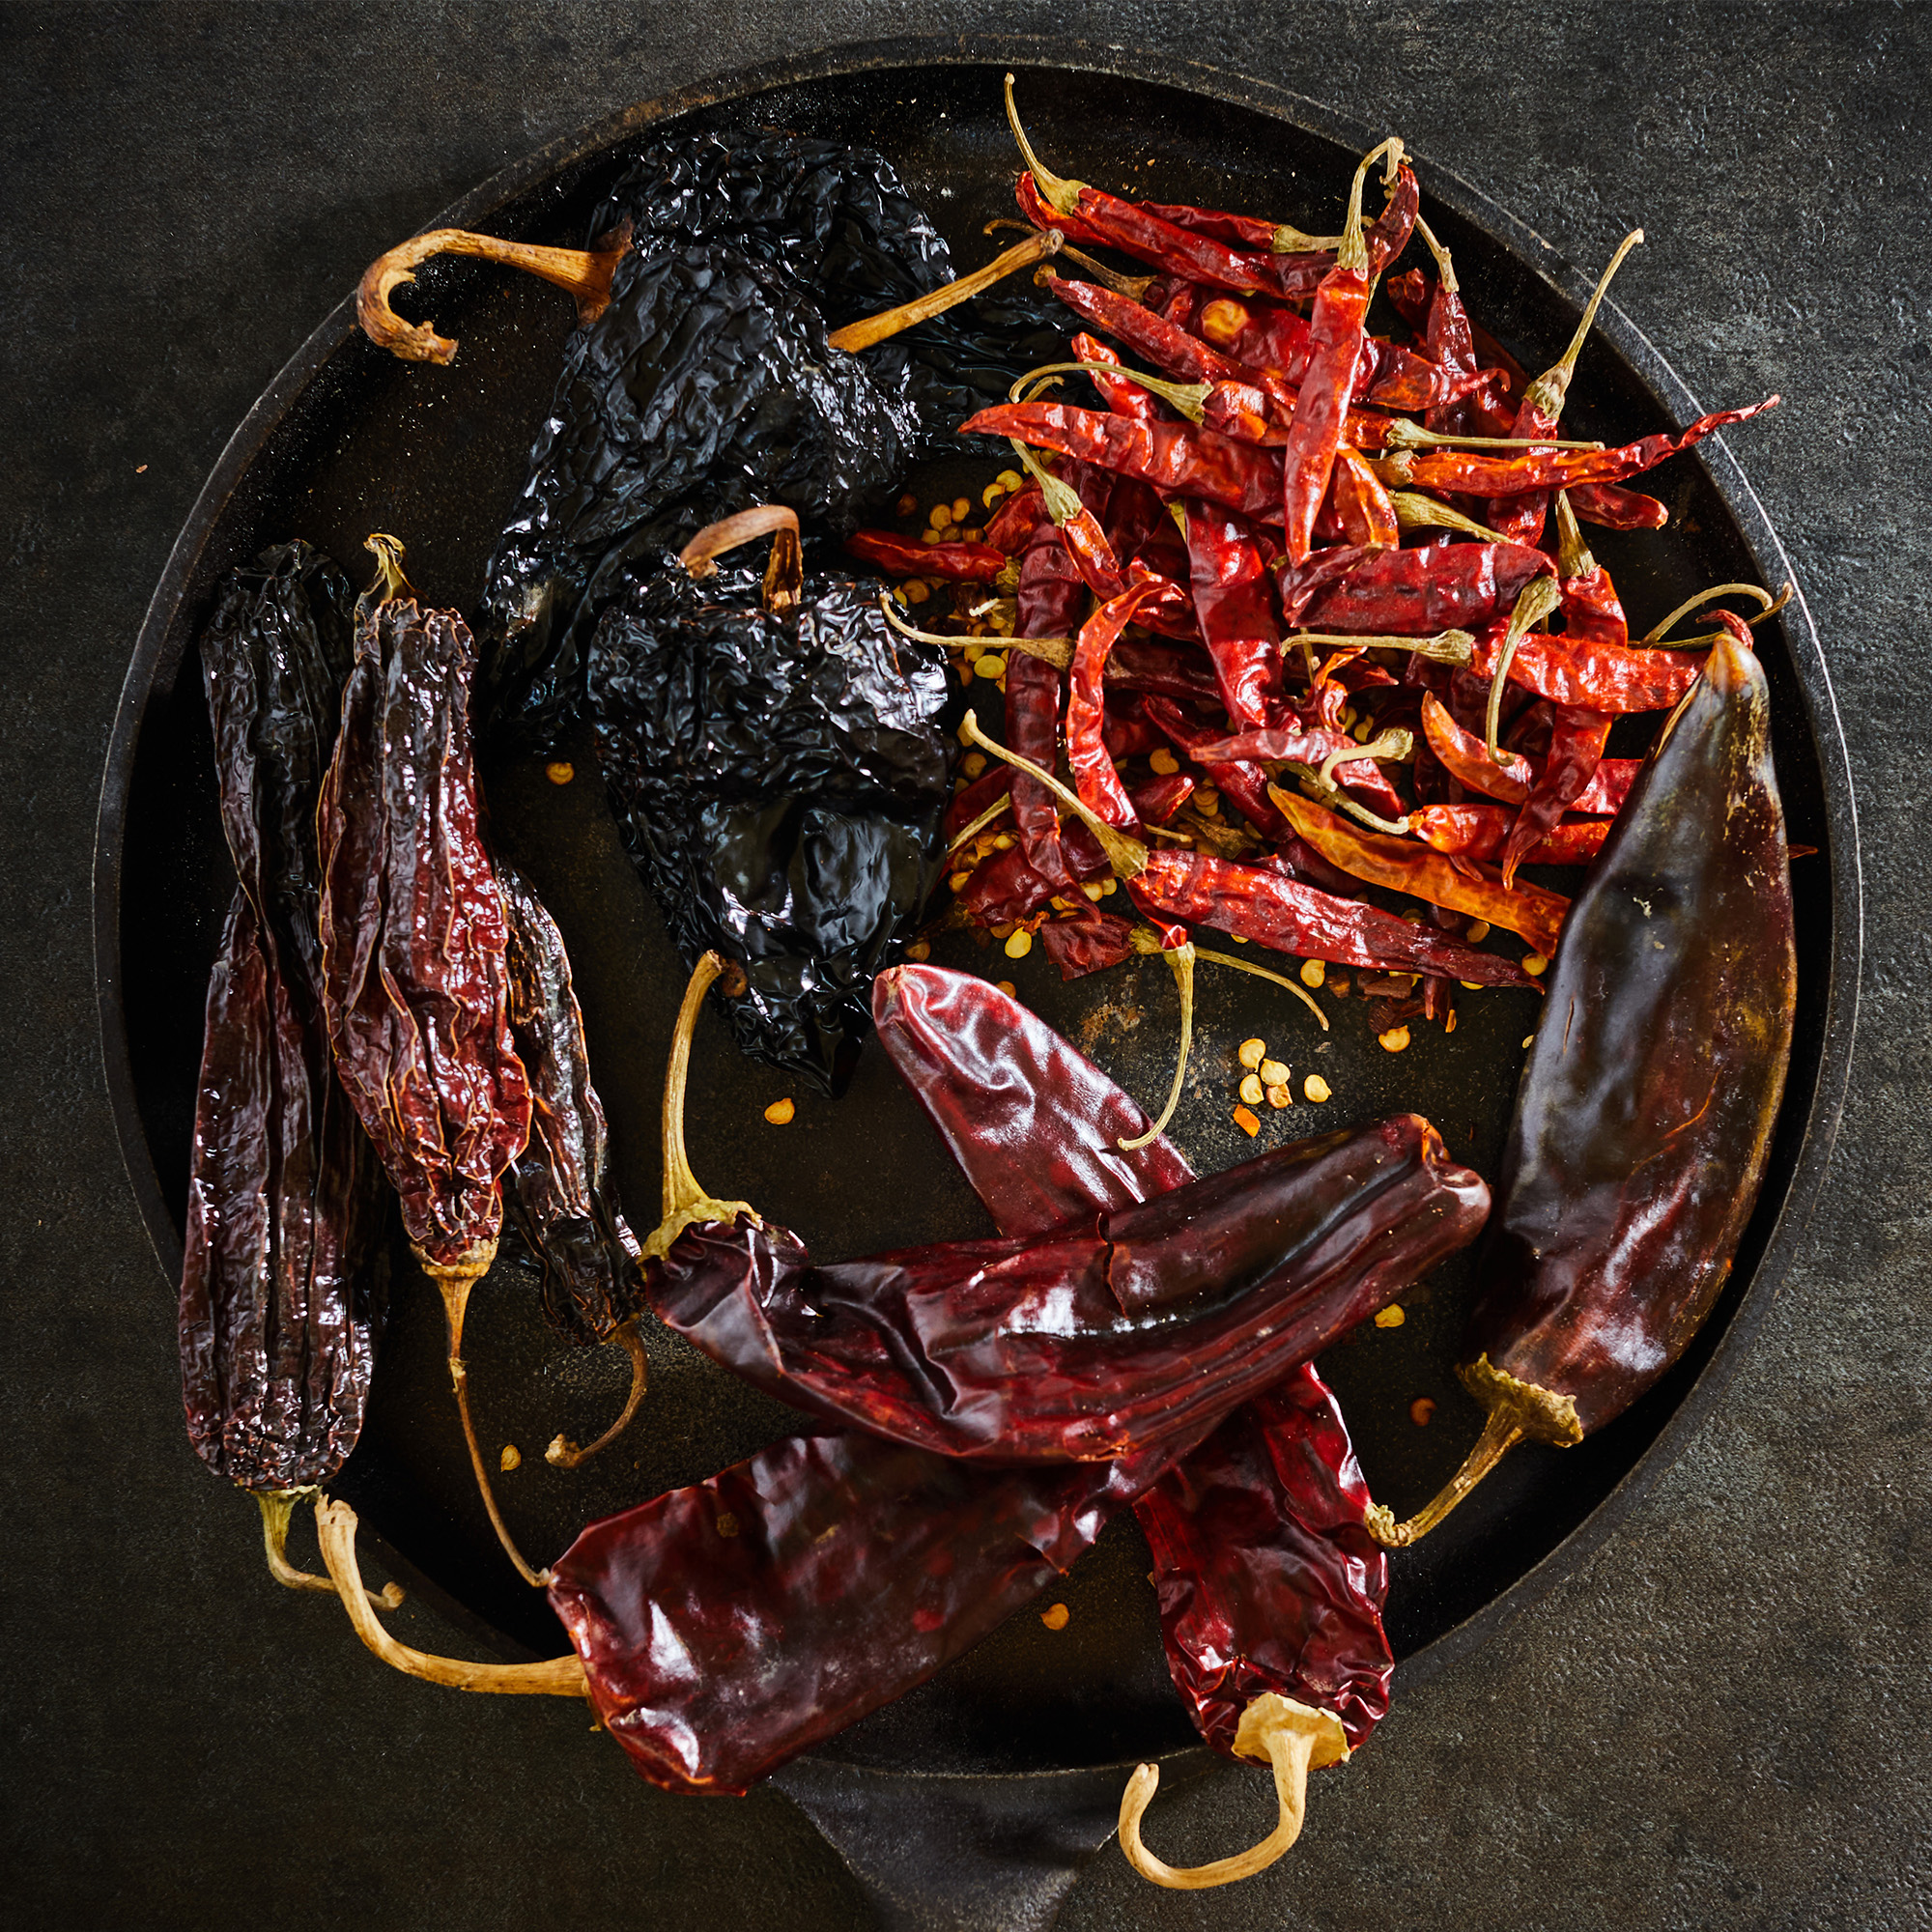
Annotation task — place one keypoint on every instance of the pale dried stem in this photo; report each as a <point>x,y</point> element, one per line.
<point>1292,1738</point>
<point>563,1453</point>
<point>876,328</point>
<point>1127,856</point>
<point>277,1506</point>
<point>1181,959</point>
<point>1540,597</point>
<point>1056,651</point>
<point>554,1677</point>
<point>584,273</point>
<point>1767,602</point>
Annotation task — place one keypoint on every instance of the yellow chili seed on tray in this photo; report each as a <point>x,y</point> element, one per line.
<point>1251,1053</point>
<point>940,515</point>
<point>1020,944</point>
<point>1421,1410</point>
<point>1313,972</point>
<point>1056,1616</point>
<point>1394,1041</point>
<point>559,771</point>
<point>1011,479</point>
<point>962,508</point>
<point>1164,762</point>
<point>1314,1088</point>
<point>991,494</point>
<point>1535,964</point>
<point>1282,1096</point>
<point>1272,1072</point>
<point>1390,1316</point>
<point>512,1457</point>
<point>780,1113</point>
<point>1251,1090</point>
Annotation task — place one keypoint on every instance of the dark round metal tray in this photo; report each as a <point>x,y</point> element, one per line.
<point>348,439</point>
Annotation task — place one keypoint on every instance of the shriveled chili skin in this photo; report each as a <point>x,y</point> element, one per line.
<point>902,556</point>
<point>1644,1114</point>
<point>1237,612</point>
<point>1611,678</point>
<point>727,1627</point>
<point>1087,941</point>
<point>779,779</point>
<point>1266,1580</point>
<point>1439,586</point>
<point>559,1193</point>
<point>1014,1349</point>
<point>284,1262</point>
<point>1466,759</point>
<point>1477,832</point>
<point>414,984</point>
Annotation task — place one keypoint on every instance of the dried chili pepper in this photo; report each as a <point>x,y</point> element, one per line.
<point>1593,677</point>
<point>415,985</point>
<point>1014,1349</point>
<point>1616,508</point>
<point>284,1266</point>
<point>1477,832</point>
<point>1361,504</point>
<point>1012,526</point>
<point>1528,911</point>
<point>773,755</point>
<point>1335,329</point>
<point>1463,756</point>
<point>1087,940</point>
<point>1270,1589</point>
<point>1643,1119</point>
<point>1231,600</point>
<point>1591,610</point>
<point>1413,593</point>
<point>1477,474</point>
<point>957,562</point>
<point>1576,741</point>
<point>559,1194</point>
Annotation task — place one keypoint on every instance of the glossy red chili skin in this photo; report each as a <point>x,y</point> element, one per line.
<point>1644,1115</point>
<point>1477,832</point>
<point>1576,741</point>
<point>1322,409</point>
<point>900,557</point>
<point>1014,1349</point>
<point>1481,476</point>
<point>1012,526</point>
<point>1362,776</point>
<point>1234,603</point>
<point>1087,941</point>
<point>414,984</point>
<point>1266,1580</point>
<point>1048,604</point>
<point>1439,586</point>
<point>1591,677</point>
<point>1095,778</point>
<point>1616,508</point>
<point>990,785</point>
<point>1197,889</point>
<point>1176,457</point>
<point>1592,612</point>
<point>1464,755</point>
<point>727,1627</point>
<point>1265,1576</point>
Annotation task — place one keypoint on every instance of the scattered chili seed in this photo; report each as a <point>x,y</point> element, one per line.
<point>1282,1096</point>
<point>1421,1410</point>
<point>918,950</point>
<point>931,536</point>
<point>1449,1023</point>
<point>1249,1124</point>
<point>1313,972</point>
<point>1534,963</point>
<point>1007,987</point>
<point>780,1113</point>
<point>1056,1616</point>
<point>958,880</point>
<point>1394,1041</point>
<point>989,665</point>
<point>908,503</point>
<point>1272,1072</point>
<point>1005,842</point>
<point>1251,1053</point>
<point>512,1457</point>
<point>1314,1088</point>
<point>1009,481</point>
<point>916,591</point>
<point>559,771</point>
<point>1094,890</point>
<point>1251,1090</point>
<point>1020,944</point>
<point>1164,763</point>
<point>1478,932</point>
<point>1473,985</point>
<point>728,1524</point>
<point>973,764</point>
<point>1529,1039</point>
<point>962,508</point>
<point>940,516</point>
<point>991,494</point>
<point>972,533</point>
<point>1390,1316</point>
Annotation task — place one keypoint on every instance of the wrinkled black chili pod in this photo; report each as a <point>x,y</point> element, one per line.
<point>285,1267</point>
<point>772,755</point>
<point>1643,1119</point>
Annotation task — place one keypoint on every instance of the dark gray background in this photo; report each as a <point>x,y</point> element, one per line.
<point>1719,1720</point>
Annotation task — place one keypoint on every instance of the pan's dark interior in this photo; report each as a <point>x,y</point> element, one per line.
<point>435,456</point>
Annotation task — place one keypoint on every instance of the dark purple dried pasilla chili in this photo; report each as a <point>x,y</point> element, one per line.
<point>414,984</point>
<point>285,1265</point>
<point>1643,1119</point>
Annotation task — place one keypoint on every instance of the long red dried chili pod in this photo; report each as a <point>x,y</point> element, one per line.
<point>1643,1119</point>
<point>414,984</point>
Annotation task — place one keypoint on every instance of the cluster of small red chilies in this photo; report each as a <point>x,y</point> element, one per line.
<point>1219,550</point>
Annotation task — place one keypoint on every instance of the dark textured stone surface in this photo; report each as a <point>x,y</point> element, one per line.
<point>1721,1721</point>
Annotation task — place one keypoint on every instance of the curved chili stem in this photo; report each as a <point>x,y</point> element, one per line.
<point>1517,1411</point>
<point>554,1677</point>
<point>1337,800</point>
<point>1143,941</point>
<point>1413,511</point>
<point>1056,651</point>
<point>1450,647</point>
<point>1540,597</point>
<point>784,574</point>
<point>876,328</point>
<point>1573,553</point>
<point>1352,252</point>
<point>277,1506</point>
<point>390,583</point>
<point>1711,596</point>
<point>1125,854</point>
<point>1405,435</point>
<point>1061,196</point>
<point>1186,397</point>
<point>1181,959</point>
<point>1133,287</point>
<point>1395,743</point>
<point>1445,268</point>
<point>686,1203</point>
<point>584,273</point>
<point>1294,1739</point>
<point>563,1453</point>
<point>969,832</point>
<point>1548,393</point>
<point>455,1279</point>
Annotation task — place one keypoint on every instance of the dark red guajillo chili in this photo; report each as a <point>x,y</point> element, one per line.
<point>955,563</point>
<point>1236,607</point>
<point>1270,1589</point>
<point>1415,593</point>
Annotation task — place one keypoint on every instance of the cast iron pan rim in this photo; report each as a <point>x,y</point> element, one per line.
<point>1241,90</point>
